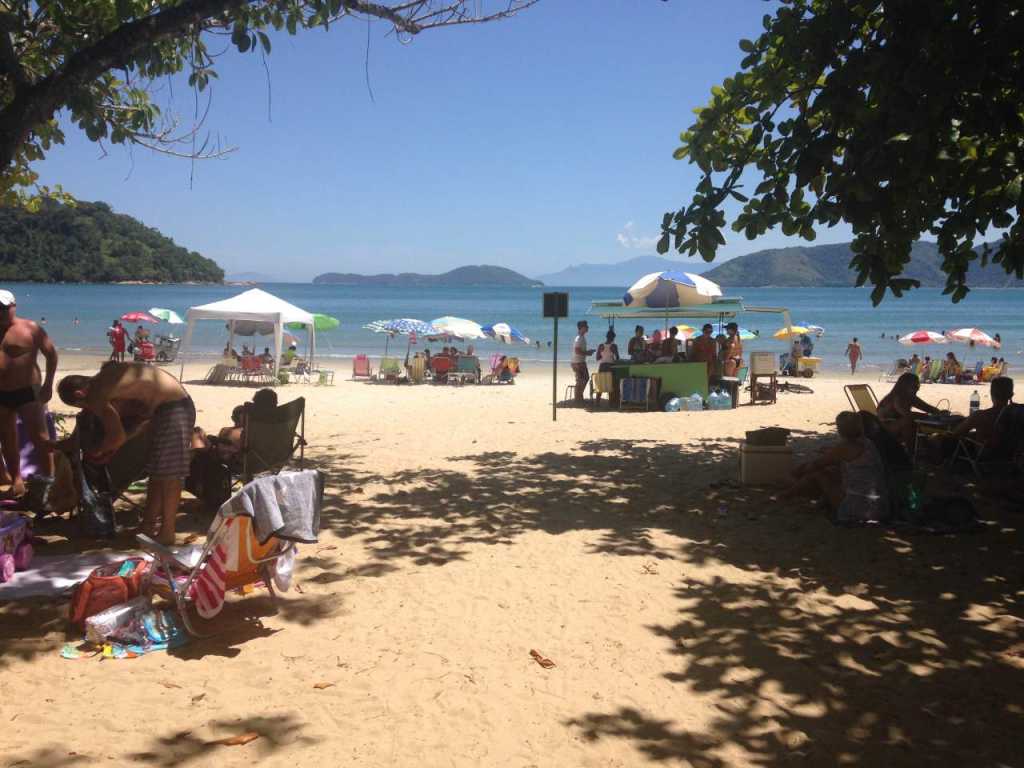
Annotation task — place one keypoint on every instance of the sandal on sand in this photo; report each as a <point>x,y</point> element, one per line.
<point>541,659</point>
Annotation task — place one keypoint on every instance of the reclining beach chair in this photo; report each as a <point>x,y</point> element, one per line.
<point>417,370</point>
<point>440,365</point>
<point>467,368</point>
<point>390,370</point>
<point>361,368</point>
<point>250,541</point>
<point>497,363</point>
<point>862,398</point>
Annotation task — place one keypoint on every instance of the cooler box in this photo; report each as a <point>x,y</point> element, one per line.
<point>808,366</point>
<point>765,464</point>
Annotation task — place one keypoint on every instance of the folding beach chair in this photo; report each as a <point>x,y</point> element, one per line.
<point>269,442</point>
<point>417,370</point>
<point>361,368</point>
<point>439,367</point>
<point>972,377</point>
<point>390,370</point>
<point>862,398</point>
<point>1002,452</point>
<point>234,555</point>
<point>602,383</point>
<point>467,368</point>
<point>497,364</point>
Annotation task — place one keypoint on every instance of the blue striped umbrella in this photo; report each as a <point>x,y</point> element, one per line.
<point>404,325</point>
<point>670,289</point>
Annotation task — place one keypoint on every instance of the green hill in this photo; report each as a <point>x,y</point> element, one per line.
<point>462,277</point>
<point>90,243</point>
<point>821,266</point>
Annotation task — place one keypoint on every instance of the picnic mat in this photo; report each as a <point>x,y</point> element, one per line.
<point>53,575</point>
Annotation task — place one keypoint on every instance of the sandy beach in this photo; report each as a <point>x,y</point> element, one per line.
<point>691,621</point>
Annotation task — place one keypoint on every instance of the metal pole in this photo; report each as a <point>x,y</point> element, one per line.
<point>554,376</point>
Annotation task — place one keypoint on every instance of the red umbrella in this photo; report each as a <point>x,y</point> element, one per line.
<point>139,317</point>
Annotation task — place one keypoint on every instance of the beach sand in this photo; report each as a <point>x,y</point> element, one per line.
<point>691,621</point>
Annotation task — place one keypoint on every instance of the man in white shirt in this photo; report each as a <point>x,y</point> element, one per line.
<point>580,353</point>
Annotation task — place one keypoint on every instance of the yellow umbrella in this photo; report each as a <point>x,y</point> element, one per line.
<point>785,333</point>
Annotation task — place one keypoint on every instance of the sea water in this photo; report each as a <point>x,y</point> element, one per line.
<point>843,312</point>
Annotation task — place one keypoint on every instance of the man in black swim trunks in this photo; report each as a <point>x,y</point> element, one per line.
<point>120,389</point>
<point>21,392</point>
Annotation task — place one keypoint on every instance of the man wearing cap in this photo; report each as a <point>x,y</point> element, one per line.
<point>21,393</point>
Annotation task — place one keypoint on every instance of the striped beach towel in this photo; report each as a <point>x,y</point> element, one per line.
<point>207,591</point>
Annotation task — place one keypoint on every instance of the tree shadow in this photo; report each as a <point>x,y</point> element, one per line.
<point>280,731</point>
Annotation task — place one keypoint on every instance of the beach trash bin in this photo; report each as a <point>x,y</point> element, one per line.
<point>765,464</point>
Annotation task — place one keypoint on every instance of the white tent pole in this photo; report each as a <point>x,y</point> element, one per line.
<point>185,344</point>
<point>278,333</point>
<point>231,334</point>
<point>311,343</point>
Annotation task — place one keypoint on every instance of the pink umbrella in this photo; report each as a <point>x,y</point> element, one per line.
<point>976,335</point>
<point>139,317</point>
<point>922,337</point>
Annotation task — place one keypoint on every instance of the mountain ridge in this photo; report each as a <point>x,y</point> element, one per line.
<point>622,273</point>
<point>828,266</point>
<point>480,275</point>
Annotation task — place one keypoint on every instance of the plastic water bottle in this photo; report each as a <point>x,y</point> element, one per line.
<point>674,405</point>
<point>975,401</point>
<point>696,402</point>
<point>713,400</point>
<point>725,401</point>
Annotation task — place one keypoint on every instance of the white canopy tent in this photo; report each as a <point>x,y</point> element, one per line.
<point>253,305</point>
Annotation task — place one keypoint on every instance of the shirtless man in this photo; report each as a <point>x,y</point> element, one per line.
<point>21,394</point>
<point>122,389</point>
<point>733,357</point>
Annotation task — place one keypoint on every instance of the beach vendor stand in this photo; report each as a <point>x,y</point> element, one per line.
<point>682,379</point>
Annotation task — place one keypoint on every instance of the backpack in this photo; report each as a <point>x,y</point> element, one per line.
<point>107,586</point>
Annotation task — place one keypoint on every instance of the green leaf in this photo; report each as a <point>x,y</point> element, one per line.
<point>746,46</point>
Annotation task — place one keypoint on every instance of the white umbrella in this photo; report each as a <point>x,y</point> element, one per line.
<point>458,327</point>
<point>670,289</point>
<point>922,337</point>
<point>975,335</point>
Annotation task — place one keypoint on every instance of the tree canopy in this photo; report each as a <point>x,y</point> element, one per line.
<point>88,242</point>
<point>98,59</point>
<point>902,118</point>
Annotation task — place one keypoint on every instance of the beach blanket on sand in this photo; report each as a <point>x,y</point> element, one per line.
<point>53,575</point>
<point>285,505</point>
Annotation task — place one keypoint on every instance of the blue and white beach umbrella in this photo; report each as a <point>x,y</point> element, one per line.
<point>403,325</point>
<point>505,333</point>
<point>670,289</point>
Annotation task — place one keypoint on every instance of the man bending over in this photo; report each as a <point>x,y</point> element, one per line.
<point>21,341</point>
<point>125,388</point>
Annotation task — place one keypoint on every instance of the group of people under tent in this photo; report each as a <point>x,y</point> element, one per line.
<point>722,354</point>
<point>266,359</point>
<point>851,476</point>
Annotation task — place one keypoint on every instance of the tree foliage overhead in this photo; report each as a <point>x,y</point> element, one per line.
<point>902,118</point>
<point>88,242</point>
<point>98,59</point>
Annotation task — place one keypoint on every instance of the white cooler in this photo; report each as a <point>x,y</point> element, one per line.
<point>765,464</point>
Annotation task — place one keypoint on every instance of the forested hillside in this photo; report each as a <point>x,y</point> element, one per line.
<point>88,242</point>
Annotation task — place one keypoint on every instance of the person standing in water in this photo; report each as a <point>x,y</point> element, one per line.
<point>854,353</point>
<point>21,392</point>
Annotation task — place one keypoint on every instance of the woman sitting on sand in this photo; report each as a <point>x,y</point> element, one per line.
<point>896,410</point>
<point>849,475</point>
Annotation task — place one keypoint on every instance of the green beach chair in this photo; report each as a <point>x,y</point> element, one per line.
<point>390,370</point>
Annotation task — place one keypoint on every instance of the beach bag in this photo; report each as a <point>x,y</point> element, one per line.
<point>107,586</point>
<point>16,549</point>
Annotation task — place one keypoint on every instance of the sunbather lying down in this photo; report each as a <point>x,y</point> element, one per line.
<point>849,475</point>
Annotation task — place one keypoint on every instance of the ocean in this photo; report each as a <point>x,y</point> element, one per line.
<point>843,312</point>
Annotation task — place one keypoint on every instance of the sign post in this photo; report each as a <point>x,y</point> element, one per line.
<point>556,305</point>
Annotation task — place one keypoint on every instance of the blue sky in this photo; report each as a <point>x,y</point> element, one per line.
<point>535,143</point>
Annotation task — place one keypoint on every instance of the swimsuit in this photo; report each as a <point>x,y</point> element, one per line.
<point>12,399</point>
<point>171,436</point>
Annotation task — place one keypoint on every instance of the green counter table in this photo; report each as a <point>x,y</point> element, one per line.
<point>681,379</point>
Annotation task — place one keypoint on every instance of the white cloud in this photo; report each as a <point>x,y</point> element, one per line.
<point>627,238</point>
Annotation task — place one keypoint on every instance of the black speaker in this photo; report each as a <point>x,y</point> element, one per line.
<point>556,305</point>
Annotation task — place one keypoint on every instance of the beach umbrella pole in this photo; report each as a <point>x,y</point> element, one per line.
<point>554,376</point>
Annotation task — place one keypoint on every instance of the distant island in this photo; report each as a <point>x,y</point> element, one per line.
<point>462,277</point>
<point>623,273</point>
<point>89,243</point>
<point>828,266</point>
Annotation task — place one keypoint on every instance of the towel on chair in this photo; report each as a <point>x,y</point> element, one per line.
<point>285,505</point>
<point>208,589</point>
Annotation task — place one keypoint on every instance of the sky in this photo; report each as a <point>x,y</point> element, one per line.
<point>534,143</point>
